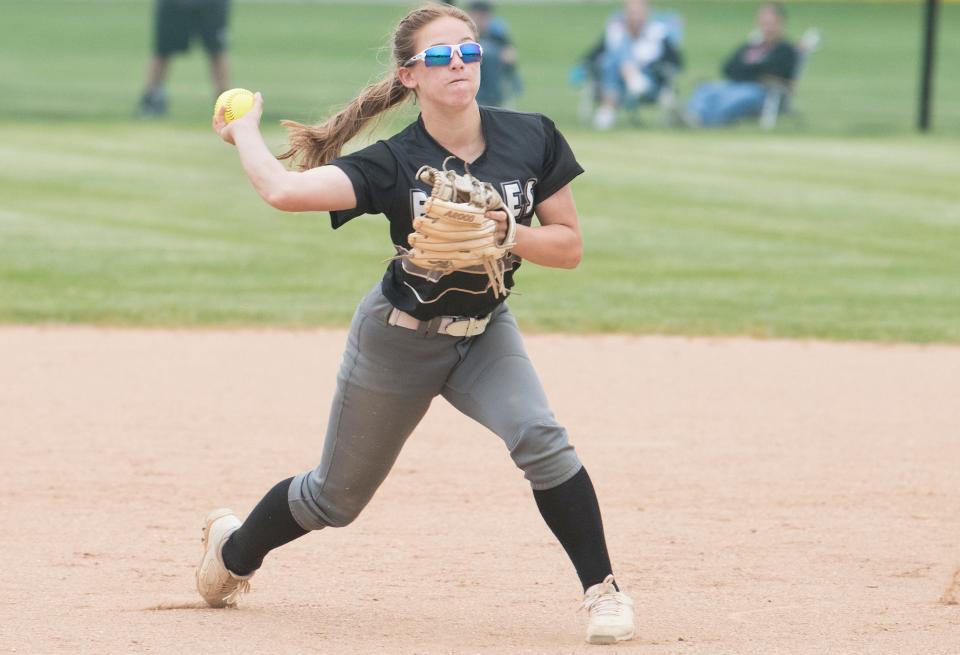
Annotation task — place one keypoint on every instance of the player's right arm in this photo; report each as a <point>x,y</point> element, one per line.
<point>324,188</point>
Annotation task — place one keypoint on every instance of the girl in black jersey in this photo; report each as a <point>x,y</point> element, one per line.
<point>415,335</point>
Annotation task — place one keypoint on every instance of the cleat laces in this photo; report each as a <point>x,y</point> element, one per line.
<point>604,601</point>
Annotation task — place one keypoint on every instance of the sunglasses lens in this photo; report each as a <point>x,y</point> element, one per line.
<point>470,52</point>
<point>438,55</point>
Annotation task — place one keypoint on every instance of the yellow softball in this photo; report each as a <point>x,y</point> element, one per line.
<point>237,101</point>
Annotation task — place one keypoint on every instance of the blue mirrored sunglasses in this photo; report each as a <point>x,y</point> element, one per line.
<point>440,55</point>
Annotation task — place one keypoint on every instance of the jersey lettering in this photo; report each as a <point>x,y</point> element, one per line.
<point>513,196</point>
<point>528,194</point>
<point>519,198</point>
<point>417,199</point>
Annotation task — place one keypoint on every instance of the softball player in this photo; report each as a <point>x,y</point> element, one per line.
<point>416,335</point>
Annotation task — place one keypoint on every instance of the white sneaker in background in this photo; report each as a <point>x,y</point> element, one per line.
<point>605,117</point>
<point>216,584</point>
<point>611,614</point>
<point>637,84</point>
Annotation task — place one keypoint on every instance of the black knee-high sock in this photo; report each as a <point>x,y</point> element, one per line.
<point>269,525</point>
<point>573,514</point>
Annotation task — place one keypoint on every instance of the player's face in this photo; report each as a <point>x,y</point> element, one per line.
<point>453,85</point>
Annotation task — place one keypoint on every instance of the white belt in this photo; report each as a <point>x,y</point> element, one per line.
<point>455,326</point>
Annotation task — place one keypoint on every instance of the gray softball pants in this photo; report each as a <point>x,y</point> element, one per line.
<point>387,379</point>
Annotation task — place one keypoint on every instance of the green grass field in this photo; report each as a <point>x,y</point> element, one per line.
<point>844,226</point>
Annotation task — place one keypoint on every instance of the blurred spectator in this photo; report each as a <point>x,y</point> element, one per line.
<point>499,79</point>
<point>175,24</point>
<point>766,58</point>
<point>635,59</point>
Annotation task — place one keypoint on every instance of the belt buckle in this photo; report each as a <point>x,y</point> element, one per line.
<point>470,327</point>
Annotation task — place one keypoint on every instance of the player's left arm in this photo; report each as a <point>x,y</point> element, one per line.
<point>556,242</point>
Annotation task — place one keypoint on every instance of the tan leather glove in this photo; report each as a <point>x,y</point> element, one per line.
<point>454,234</point>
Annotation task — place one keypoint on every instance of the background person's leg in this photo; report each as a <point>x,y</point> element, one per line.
<point>170,35</point>
<point>701,105</point>
<point>212,24</point>
<point>738,100</point>
<point>611,90</point>
<point>157,71</point>
<point>153,103</point>
<point>220,72</point>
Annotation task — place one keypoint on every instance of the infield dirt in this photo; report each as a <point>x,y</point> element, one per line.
<point>759,497</point>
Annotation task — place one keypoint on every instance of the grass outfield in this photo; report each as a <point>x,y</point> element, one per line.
<point>846,227</point>
<point>64,59</point>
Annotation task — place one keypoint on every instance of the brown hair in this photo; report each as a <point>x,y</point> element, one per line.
<point>315,145</point>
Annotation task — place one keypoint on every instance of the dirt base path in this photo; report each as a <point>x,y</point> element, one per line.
<point>759,497</point>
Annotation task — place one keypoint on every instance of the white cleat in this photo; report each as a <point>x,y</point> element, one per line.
<point>217,585</point>
<point>611,614</point>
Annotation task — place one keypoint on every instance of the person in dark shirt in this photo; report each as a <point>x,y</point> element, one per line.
<point>417,335</point>
<point>499,79</point>
<point>765,58</point>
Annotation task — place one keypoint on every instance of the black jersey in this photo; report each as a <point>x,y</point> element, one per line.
<point>751,62</point>
<point>526,159</point>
